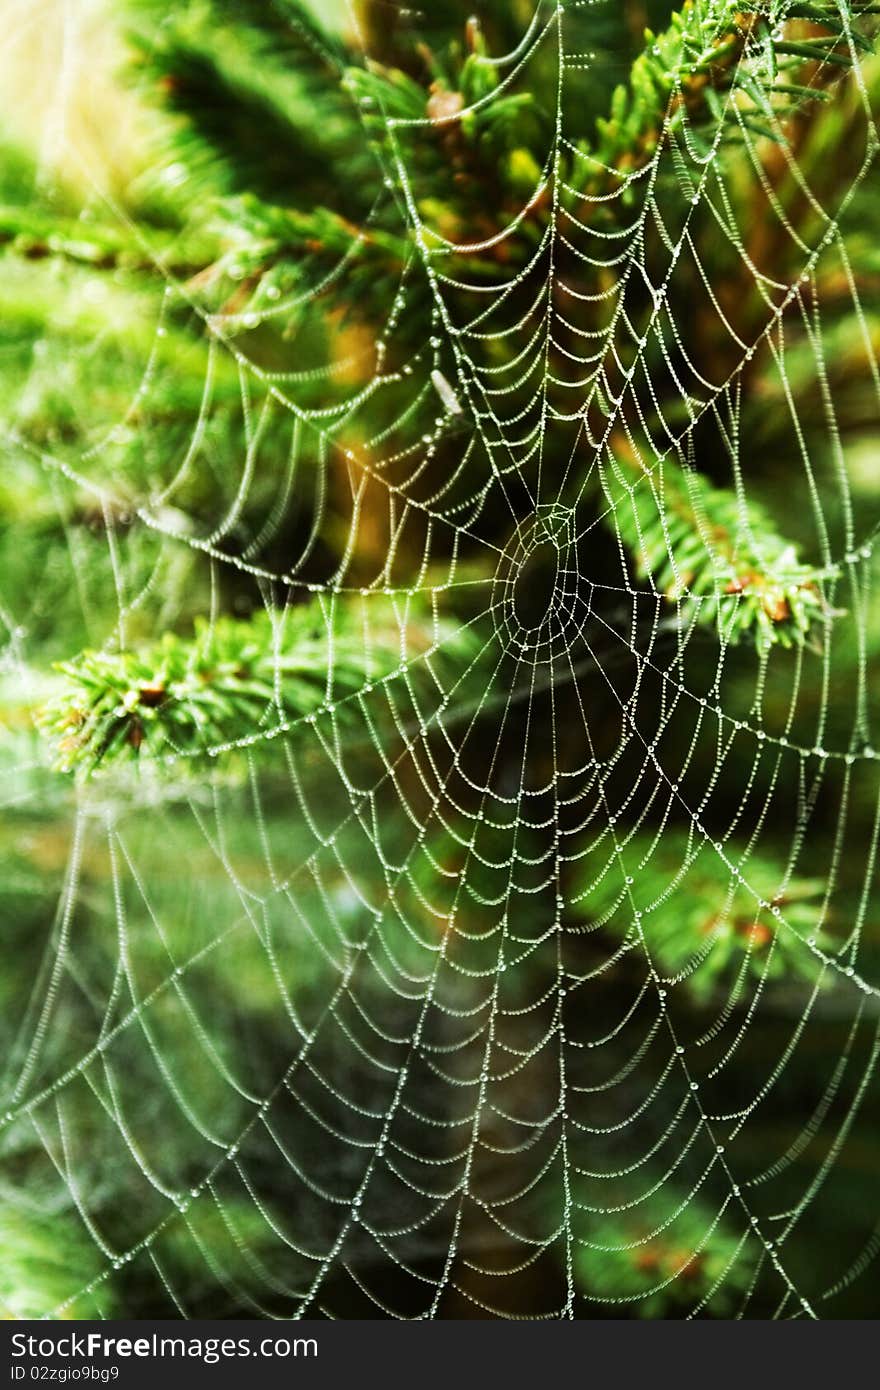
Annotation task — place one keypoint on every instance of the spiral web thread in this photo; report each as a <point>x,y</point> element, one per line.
<point>462,1125</point>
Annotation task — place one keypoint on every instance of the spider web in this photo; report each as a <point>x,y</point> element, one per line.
<point>383,1014</point>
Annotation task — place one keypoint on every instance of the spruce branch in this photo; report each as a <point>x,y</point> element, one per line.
<point>242,680</point>
<point>713,48</point>
<point>272,252</point>
<point>701,925</point>
<point>37,234</point>
<point>704,545</point>
<point>242,84</point>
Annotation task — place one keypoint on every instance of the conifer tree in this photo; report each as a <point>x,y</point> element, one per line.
<point>436,550</point>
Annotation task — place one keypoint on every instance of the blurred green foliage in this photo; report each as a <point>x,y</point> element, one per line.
<point>251,532</point>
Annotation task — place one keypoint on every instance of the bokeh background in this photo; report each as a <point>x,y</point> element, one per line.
<point>574,1011</point>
